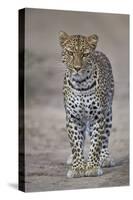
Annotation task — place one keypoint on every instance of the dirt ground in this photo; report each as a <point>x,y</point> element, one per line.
<point>46,142</point>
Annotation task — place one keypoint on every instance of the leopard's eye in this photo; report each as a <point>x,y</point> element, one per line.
<point>85,54</point>
<point>70,53</point>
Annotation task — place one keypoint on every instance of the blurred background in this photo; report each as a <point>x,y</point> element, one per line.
<point>46,142</point>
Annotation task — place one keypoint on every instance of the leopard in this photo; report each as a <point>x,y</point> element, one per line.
<point>88,92</point>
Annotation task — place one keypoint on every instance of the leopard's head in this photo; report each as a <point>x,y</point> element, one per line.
<point>75,50</point>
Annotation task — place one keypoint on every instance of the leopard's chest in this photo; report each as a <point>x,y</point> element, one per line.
<point>81,106</point>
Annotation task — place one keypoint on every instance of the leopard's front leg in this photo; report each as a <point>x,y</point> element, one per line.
<point>76,138</point>
<point>93,167</point>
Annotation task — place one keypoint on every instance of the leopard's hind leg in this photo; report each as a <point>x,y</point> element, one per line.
<point>69,159</point>
<point>105,157</point>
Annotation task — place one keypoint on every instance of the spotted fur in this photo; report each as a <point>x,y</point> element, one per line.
<point>88,93</point>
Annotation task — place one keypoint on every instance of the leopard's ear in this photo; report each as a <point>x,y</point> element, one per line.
<point>92,40</point>
<point>63,37</point>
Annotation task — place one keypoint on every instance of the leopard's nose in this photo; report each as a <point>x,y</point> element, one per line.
<point>77,68</point>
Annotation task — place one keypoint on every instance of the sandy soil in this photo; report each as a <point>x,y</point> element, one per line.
<point>46,141</point>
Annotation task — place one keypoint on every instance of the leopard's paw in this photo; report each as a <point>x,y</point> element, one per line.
<point>108,162</point>
<point>93,171</point>
<point>74,173</point>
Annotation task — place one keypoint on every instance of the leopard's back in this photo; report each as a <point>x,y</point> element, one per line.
<point>105,80</point>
